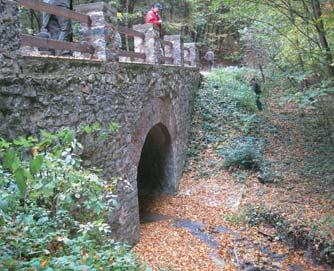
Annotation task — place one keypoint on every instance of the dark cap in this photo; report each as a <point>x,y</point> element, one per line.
<point>158,5</point>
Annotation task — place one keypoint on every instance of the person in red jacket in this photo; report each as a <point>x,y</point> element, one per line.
<point>153,16</point>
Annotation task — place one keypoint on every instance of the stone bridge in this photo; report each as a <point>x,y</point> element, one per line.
<point>152,104</point>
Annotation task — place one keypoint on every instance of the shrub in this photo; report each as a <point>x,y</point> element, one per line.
<point>232,83</point>
<point>52,211</point>
<point>225,105</point>
<point>244,153</point>
<point>266,173</point>
<point>237,219</point>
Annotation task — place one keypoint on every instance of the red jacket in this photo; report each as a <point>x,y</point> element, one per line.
<point>152,18</point>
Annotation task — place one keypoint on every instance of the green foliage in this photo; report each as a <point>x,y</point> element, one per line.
<point>29,20</point>
<point>237,219</point>
<point>226,99</point>
<point>267,174</point>
<point>224,107</point>
<point>244,154</point>
<point>311,97</point>
<point>52,211</point>
<point>101,133</point>
<point>232,84</point>
<point>286,34</point>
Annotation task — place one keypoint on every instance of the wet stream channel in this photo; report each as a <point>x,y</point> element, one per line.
<point>198,230</point>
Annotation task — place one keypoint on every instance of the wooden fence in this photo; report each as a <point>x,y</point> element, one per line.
<point>28,40</point>
<point>33,41</point>
<point>163,58</point>
<point>131,33</point>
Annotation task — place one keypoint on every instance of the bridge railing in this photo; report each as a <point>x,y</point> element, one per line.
<point>190,54</point>
<point>131,33</point>
<point>166,45</point>
<point>98,34</point>
<point>33,41</point>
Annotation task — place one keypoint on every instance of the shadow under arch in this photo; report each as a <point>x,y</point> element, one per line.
<point>155,174</point>
<point>155,153</point>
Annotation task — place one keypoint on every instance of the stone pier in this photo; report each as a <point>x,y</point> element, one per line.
<point>176,51</point>
<point>191,54</point>
<point>101,34</point>
<point>150,46</point>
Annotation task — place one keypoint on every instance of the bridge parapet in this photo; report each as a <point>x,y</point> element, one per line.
<point>176,50</point>
<point>99,34</point>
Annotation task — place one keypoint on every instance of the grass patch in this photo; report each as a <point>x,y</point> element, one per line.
<point>237,219</point>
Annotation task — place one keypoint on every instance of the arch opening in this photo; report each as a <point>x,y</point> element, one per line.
<point>155,169</point>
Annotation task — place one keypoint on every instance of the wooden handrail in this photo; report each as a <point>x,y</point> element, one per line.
<point>187,62</point>
<point>130,32</point>
<point>167,59</point>
<point>28,40</point>
<point>55,10</point>
<point>167,43</point>
<point>131,54</point>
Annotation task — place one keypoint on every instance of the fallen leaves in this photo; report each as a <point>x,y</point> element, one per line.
<point>163,245</point>
<point>218,201</point>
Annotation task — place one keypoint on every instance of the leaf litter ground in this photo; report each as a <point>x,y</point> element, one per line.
<point>165,246</point>
<point>215,205</point>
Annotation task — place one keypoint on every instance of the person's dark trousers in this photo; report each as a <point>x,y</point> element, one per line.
<point>60,28</point>
<point>258,103</point>
<point>210,65</point>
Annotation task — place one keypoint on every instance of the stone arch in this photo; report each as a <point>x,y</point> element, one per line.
<point>155,171</point>
<point>154,150</point>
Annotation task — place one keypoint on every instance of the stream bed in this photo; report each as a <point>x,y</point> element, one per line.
<point>199,230</point>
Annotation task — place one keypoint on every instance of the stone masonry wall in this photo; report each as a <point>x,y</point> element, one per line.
<point>9,25</point>
<point>45,93</point>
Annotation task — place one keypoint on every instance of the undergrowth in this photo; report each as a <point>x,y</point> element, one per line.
<point>300,235</point>
<point>224,109</point>
<point>229,132</point>
<point>53,212</point>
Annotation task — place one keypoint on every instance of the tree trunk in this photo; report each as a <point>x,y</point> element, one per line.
<point>31,17</point>
<point>126,3</point>
<point>131,6</point>
<point>320,28</point>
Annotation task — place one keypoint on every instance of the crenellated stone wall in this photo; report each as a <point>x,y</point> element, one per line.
<point>50,93</point>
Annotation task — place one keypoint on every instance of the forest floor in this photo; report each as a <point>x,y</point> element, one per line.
<point>206,225</point>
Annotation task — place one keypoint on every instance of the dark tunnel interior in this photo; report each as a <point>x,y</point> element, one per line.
<point>153,166</point>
